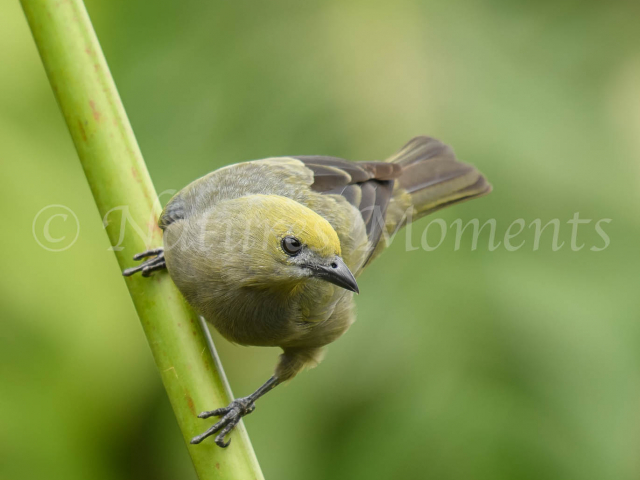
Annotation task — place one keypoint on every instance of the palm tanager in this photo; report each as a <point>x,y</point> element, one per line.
<point>268,251</point>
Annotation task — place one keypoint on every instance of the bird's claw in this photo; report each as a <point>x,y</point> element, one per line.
<point>151,265</point>
<point>231,416</point>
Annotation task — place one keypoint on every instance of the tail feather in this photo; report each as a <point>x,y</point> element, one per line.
<point>434,178</point>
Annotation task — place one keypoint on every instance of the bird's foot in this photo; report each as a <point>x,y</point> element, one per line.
<point>151,265</point>
<point>231,416</point>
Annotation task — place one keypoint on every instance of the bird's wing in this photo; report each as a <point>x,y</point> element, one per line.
<point>368,186</point>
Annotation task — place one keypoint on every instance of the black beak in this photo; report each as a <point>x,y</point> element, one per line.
<point>337,273</point>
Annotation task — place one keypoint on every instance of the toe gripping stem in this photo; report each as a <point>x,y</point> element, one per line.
<point>151,265</point>
<point>232,414</point>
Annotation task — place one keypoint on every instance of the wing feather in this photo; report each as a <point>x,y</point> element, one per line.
<point>368,186</point>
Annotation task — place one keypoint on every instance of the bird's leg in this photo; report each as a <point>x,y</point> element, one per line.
<point>151,265</point>
<point>232,414</point>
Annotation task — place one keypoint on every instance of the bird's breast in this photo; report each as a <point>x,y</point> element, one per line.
<point>254,316</point>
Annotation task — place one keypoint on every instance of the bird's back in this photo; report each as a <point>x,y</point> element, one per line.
<point>365,202</point>
<point>282,176</point>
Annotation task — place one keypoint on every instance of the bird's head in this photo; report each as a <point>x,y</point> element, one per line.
<point>286,243</point>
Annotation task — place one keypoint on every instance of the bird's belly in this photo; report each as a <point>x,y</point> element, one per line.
<point>253,318</point>
<point>257,318</point>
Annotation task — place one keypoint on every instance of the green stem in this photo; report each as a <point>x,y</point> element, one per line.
<point>119,181</point>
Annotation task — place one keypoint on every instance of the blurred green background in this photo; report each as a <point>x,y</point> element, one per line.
<point>463,364</point>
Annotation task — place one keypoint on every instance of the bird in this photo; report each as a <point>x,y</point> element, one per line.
<point>268,251</point>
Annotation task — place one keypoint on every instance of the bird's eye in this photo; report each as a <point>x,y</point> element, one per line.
<point>291,245</point>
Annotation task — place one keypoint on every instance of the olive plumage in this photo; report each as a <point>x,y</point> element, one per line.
<point>268,251</point>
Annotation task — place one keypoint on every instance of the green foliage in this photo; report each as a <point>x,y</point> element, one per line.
<point>463,364</point>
